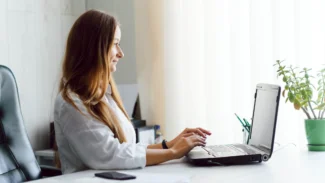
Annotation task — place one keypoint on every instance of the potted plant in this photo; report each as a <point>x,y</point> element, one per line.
<point>300,91</point>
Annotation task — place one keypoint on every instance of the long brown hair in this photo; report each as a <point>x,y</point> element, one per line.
<point>86,68</point>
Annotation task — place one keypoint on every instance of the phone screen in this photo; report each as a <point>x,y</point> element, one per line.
<point>115,175</point>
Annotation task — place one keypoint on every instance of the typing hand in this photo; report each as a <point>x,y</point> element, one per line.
<point>187,132</point>
<point>185,144</point>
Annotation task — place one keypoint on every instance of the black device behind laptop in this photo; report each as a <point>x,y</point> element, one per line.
<point>115,175</point>
<point>261,141</point>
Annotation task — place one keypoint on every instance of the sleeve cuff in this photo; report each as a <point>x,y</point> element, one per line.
<point>142,152</point>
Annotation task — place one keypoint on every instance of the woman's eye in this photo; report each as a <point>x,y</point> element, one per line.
<point>117,44</point>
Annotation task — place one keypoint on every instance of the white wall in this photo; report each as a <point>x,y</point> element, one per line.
<point>124,11</point>
<point>32,41</point>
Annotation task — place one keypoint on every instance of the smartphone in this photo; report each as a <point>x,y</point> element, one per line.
<point>115,175</point>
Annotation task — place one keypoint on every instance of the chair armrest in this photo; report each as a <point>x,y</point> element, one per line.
<point>49,171</point>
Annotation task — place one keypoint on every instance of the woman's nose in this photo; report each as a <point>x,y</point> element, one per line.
<point>120,53</point>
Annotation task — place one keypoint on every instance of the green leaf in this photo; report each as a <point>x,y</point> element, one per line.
<point>304,102</point>
<point>291,97</point>
<point>298,97</point>
<point>309,93</point>
<point>320,107</point>
<point>285,79</point>
<point>320,94</point>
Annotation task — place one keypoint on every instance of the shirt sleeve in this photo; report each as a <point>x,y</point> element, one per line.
<point>95,144</point>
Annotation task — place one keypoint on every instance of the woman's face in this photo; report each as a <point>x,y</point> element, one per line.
<point>116,52</point>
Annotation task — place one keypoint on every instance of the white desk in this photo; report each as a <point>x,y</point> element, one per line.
<point>290,164</point>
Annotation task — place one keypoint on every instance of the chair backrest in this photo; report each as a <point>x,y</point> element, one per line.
<point>17,159</point>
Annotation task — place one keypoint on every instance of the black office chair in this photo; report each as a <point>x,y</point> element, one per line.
<point>17,159</point>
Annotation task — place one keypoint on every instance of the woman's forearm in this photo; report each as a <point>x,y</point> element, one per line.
<point>156,156</point>
<point>178,150</point>
<point>159,146</point>
<point>154,146</point>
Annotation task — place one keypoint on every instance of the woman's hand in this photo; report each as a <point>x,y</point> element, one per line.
<point>181,148</point>
<point>185,144</point>
<point>187,132</point>
<point>178,147</point>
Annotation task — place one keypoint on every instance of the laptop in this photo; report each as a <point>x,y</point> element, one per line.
<point>261,139</point>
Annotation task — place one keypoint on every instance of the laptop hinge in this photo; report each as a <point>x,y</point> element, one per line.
<point>265,155</point>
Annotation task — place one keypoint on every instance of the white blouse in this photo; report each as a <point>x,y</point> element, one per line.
<point>86,143</point>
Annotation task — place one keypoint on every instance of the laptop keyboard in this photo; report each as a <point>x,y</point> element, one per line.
<point>228,150</point>
<point>248,149</point>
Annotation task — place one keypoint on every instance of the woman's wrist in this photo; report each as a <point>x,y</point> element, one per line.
<point>171,154</point>
<point>170,144</point>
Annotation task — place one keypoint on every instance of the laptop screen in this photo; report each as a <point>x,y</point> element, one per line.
<point>264,117</point>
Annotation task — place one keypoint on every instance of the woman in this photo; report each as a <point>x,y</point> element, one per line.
<point>92,127</point>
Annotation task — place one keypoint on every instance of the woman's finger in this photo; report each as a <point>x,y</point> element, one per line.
<point>188,134</point>
<point>199,132</point>
<point>195,130</point>
<point>205,131</point>
<point>200,139</point>
<point>197,138</point>
<point>199,144</point>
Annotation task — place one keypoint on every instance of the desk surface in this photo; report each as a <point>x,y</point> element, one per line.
<point>288,164</point>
